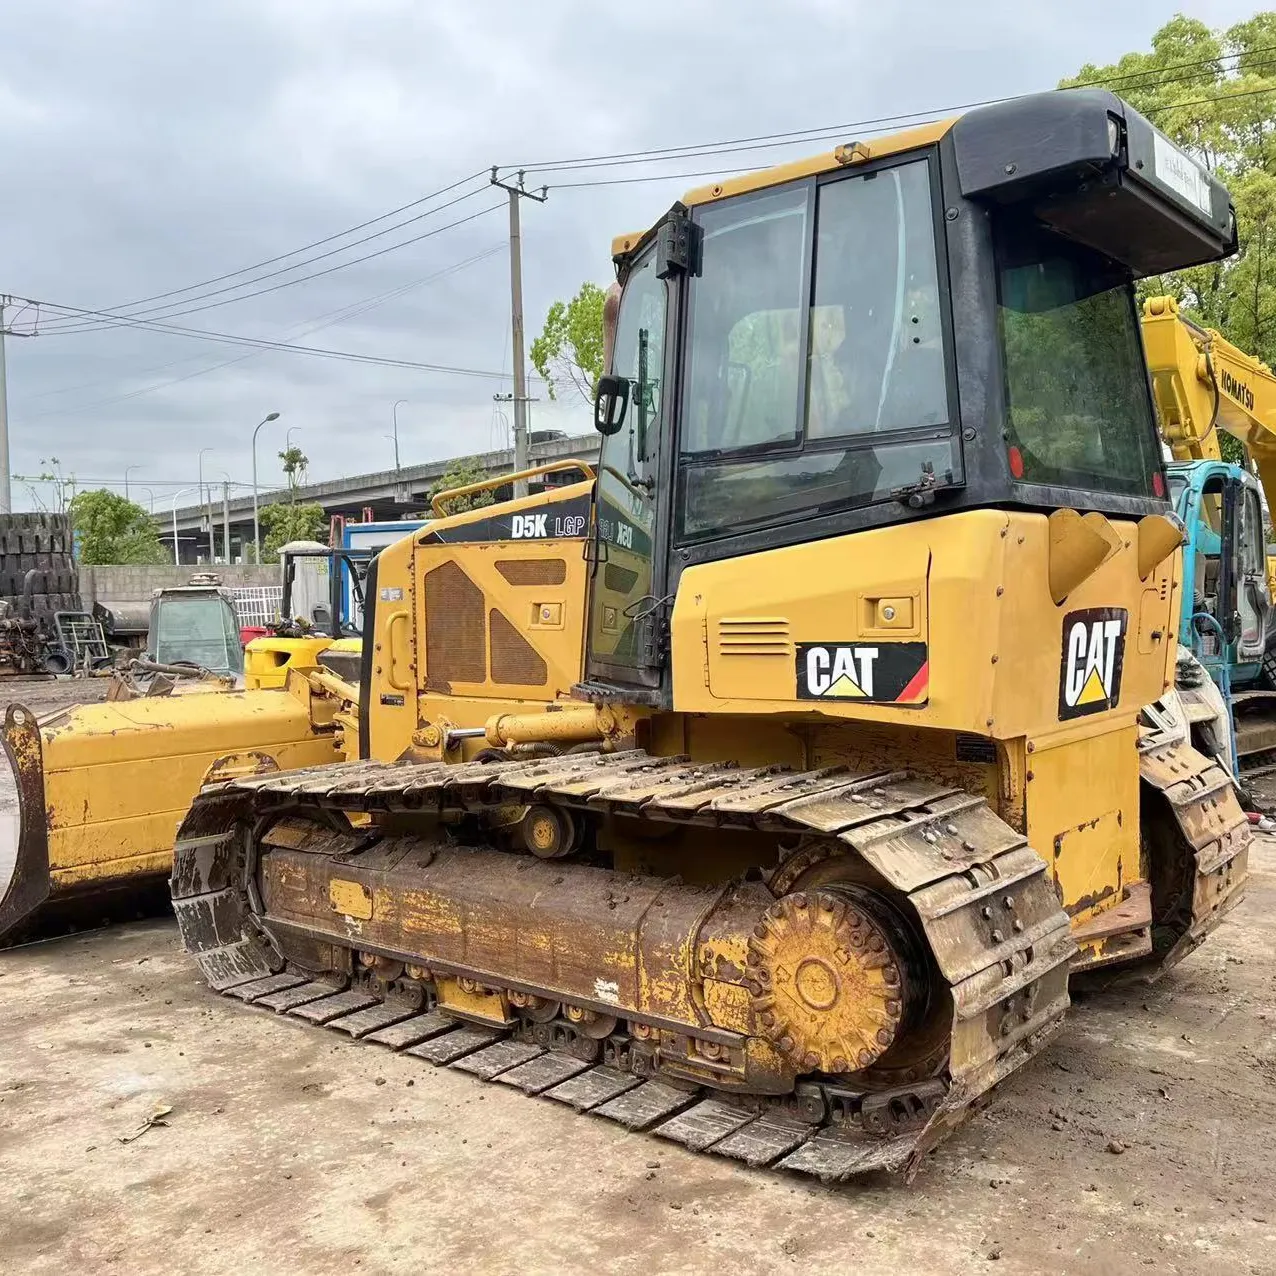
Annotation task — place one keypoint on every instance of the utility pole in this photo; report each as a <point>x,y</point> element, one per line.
<point>206,507</point>
<point>6,493</point>
<point>6,496</point>
<point>516,321</point>
<point>226,522</point>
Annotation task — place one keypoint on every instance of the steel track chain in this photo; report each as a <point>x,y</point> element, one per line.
<point>1214,829</point>
<point>987,909</point>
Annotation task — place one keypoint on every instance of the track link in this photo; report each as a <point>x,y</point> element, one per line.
<point>1212,836</point>
<point>983,899</point>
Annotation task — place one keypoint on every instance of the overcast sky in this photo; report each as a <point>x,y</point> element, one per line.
<point>147,146</point>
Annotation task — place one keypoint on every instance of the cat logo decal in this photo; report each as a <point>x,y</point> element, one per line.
<point>884,672</point>
<point>1093,653</point>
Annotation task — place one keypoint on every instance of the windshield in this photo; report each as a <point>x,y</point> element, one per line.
<point>1079,407</point>
<point>197,630</point>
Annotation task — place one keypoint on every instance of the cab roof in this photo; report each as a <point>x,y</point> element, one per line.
<point>844,156</point>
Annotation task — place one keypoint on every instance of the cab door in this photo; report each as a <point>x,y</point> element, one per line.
<point>628,610</point>
<point>1253,602</point>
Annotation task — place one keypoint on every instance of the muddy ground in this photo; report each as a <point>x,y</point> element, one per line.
<point>47,695</point>
<point>289,1149</point>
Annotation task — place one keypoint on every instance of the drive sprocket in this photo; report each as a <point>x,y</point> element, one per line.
<point>829,981</point>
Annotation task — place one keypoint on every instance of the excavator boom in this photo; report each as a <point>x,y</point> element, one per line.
<point>1205,387</point>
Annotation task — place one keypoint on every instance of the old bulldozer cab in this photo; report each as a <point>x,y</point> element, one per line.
<point>939,322</point>
<point>195,625</point>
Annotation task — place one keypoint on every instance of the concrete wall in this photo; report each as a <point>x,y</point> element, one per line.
<point>125,586</point>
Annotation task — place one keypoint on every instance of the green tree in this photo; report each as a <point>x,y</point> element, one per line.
<point>461,472</point>
<point>112,529</point>
<point>296,464</point>
<point>570,347</point>
<point>1214,93</point>
<point>291,522</point>
<point>64,487</point>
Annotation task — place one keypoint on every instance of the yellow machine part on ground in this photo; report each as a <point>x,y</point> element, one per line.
<point>114,781</point>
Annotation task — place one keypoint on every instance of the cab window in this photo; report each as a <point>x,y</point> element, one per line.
<point>816,375</point>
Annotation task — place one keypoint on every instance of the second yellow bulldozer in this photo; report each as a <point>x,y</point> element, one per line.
<point>113,780</point>
<point>765,791</point>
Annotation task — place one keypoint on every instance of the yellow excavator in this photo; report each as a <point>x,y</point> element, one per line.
<point>1205,387</point>
<point>764,789</point>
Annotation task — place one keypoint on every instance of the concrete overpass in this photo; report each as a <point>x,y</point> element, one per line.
<point>389,494</point>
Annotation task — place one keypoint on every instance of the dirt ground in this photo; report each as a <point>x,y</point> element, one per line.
<point>289,1149</point>
<point>47,695</point>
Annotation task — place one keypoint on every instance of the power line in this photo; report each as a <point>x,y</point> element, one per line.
<point>914,123</point>
<point>339,315</point>
<point>204,334</point>
<point>288,283</point>
<point>150,482</point>
<point>651,177</point>
<point>762,141</point>
<point>301,329</point>
<point>318,243</point>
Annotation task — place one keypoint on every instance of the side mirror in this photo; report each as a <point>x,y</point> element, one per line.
<point>611,400</point>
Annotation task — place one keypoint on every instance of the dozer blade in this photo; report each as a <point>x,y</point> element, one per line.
<point>497,963</point>
<point>91,797</point>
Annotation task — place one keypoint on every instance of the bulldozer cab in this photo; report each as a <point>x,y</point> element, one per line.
<point>195,625</point>
<point>941,322</point>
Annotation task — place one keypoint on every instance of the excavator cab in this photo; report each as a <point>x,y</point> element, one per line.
<point>1226,619</point>
<point>1206,387</point>
<point>774,805</point>
<point>1225,565</point>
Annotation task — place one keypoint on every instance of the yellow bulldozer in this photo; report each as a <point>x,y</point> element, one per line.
<point>114,780</point>
<point>764,789</point>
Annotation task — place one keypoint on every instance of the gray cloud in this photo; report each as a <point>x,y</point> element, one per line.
<point>148,145</point>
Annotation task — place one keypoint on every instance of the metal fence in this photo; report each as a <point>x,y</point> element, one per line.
<point>258,605</point>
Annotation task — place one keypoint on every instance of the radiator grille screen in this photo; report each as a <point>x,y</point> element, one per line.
<point>619,580</point>
<point>533,571</point>
<point>455,646</point>
<point>514,660</point>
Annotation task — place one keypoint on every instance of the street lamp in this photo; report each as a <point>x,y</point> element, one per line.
<point>394,412</point>
<point>177,549</point>
<point>288,436</point>
<point>212,555</point>
<point>270,416</point>
<point>127,468</point>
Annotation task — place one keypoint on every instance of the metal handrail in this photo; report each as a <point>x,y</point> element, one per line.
<point>499,480</point>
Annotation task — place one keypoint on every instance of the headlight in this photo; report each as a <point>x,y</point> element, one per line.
<point>1114,135</point>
